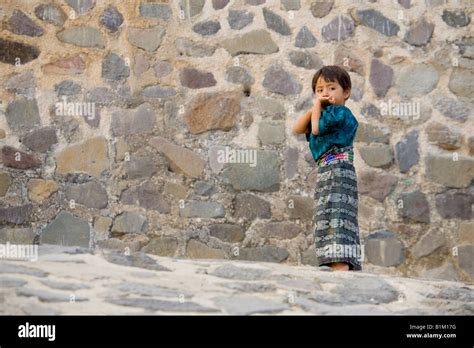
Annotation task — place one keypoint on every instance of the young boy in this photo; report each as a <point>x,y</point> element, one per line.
<point>330,128</point>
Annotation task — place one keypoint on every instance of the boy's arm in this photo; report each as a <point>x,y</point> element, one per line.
<point>301,124</point>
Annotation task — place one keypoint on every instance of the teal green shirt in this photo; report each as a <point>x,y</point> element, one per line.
<point>337,126</point>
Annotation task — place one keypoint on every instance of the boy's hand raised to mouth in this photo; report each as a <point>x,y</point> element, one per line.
<point>323,101</point>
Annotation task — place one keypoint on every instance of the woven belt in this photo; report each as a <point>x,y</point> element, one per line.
<point>344,156</point>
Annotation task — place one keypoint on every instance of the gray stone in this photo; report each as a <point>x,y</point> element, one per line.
<point>384,249</point>
<point>456,18</point>
<point>450,171</point>
<point>255,42</point>
<point>140,120</point>
<point>81,6</point>
<point>278,230</point>
<point>148,39</point>
<point>5,183</point>
<point>112,19</point>
<point>101,96</point>
<point>194,78</point>
<point>428,243</point>
<point>48,296</point>
<point>163,246</point>
<point>405,3</point>
<point>278,80</point>
<point>339,29</point>
<point>40,140</point>
<point>23,84</point>
<point>377,21</point>
<point>454,205</point>
<point>290,5</point>
<point>161,305</point>
<point>67,229</point>
<point>267,253</point>
<point>308,257</point>
<point>13,52</point>
<point>275,22</point>
<point>426,76</point>
<point>376,185</point>
<point>443,136</point>
<point>291,161</point>
<point>192,8</point>
<point>140,167</point>
<point>377,155</point>
<point>371,111</point>
<point>229,233</point>
<point>51,13</point>
<point>150,290</point>
<point>246,305</point>
<point>11,282</point>
<point>381,76</point>
<point>299,207</point>
<point>155,10</point>
<point>180,159</point>
<point>202,209</point>
<point>413,206</point>
<point>250,287</point>
<point>158,92</point>
<point>67,88</point>
<point>239,19</point>
<point>239,75</point>
<point>16,235</point>
<point>264,176</point>
<point>162,69</point>
<point>129,222</point>
<point>219,4</point>
<point>320,9</point>
<point>114,67</point>
<point>207,28</point>
<point>419,33</point>
<point>6,267</point>
<point>305,39</point>
<point>272,132</point>
<point>135,259</point>
<point>64,286</point>
<point>255,2</point>
<point>15,158</point>
<point>22,115</point>
<point>249,207</point>
<point>350,61</point>
<point>190,48</point>
<point>366,291</point>
<point>230,271</point>
<point>305,60</point>
<point>444,272</point>
<point>452,108</point>
<point>16,214</point>
<point>406,151</point>
<point>465,253</point>
<point>82,36</point>
<point>369,133</point>
<point>460,83</point>
<point>21,24</point>
<point>203,188</point>
<point>91,194</point>
<point>146,195</point>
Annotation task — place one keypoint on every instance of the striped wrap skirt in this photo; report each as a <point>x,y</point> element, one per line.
<point>336,228</point>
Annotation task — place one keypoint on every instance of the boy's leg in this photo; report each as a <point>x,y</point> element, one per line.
<point>339,266</point>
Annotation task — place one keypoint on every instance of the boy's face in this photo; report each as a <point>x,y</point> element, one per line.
<point>331,89</point>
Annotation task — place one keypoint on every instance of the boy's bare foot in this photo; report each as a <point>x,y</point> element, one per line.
<point>339,266</point>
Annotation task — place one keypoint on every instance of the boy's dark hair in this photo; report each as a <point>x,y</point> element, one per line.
<point>333,73</point>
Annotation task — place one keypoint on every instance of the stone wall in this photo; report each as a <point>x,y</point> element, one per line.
<point>119,120</point>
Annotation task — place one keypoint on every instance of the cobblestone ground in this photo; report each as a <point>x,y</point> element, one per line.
<point>72,280</point>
